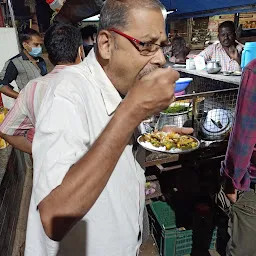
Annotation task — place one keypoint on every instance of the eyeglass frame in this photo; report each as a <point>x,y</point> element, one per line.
<point>136,41</point>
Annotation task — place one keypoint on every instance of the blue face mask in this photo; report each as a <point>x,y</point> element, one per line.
<point>36,51</point>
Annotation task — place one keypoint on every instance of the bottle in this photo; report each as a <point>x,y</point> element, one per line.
<point>190,64</point>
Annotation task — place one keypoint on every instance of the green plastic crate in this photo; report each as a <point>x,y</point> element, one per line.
<point>169,240</point>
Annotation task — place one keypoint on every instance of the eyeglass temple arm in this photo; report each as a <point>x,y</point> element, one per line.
<point>126,36</point>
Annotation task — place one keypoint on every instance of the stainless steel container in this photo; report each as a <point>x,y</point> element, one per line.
<point>213,67</point>
<point>175,119</point>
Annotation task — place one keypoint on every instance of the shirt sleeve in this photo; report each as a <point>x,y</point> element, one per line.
<point>207,53</point>
<point>8,74</point>
<point>243,136</point>
<point>61,137</point>
<point>16,121</point>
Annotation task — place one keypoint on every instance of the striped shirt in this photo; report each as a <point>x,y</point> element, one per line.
<point>22,70</point>
<point>22,116</point>
<point>218,53</point>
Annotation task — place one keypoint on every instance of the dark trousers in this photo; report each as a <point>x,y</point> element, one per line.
<point>242,226</point>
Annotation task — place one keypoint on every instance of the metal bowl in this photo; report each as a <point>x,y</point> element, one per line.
<point>177,119</point>
<point>213,70</point>
<point>213,67</point>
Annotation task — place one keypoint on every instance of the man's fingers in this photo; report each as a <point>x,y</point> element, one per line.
<point>167,73</point>
<point>181,130</point>
<point>186,130</point>
<point>232,196</point>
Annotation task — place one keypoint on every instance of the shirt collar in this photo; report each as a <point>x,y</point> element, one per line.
<point>110,95</point>
<point>58,68</point>
<point>219,46</point>
<point>24,56</point>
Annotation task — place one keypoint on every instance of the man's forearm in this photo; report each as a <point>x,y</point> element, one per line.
<point>238,59</point>
<point>18,142</point>
<point>84,182</point>
<point>9,92</point>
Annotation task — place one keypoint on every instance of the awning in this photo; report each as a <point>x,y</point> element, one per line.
<point>197,8</point>
<point>76,10</point>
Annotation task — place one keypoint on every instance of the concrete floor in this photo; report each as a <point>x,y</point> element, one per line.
<point>150,249</point>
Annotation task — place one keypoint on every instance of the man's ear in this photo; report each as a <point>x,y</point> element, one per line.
<point>82,54</point>
<point>105,44</point>
<point>25,46</point>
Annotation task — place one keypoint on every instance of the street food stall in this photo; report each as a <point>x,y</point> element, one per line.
<point>186,183</point>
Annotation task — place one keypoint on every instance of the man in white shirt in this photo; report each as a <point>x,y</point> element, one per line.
<point>88,188</point>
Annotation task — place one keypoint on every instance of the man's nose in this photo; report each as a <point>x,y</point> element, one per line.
<point>159,58</point>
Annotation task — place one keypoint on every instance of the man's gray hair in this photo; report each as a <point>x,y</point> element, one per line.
<point>115,13</point>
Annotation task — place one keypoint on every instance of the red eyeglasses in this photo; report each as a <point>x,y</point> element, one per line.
<point>145,49</point>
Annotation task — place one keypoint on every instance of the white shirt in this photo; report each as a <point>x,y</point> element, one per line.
<point>78,105</point>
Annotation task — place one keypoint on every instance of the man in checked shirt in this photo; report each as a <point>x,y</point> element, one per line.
<point>227,51</point>
<point>239,169</point>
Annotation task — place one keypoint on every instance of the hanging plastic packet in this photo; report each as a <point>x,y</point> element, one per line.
<point>55,5</point>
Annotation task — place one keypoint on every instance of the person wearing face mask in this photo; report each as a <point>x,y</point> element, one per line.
<point>64,46</point>
<point>25,66</point>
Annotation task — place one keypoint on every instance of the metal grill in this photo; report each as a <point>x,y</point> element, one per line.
<point>211,114</point>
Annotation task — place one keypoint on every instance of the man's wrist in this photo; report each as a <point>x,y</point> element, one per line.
<point>129,113</point>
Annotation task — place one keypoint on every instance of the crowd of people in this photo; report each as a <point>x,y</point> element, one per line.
<point>79,123</point>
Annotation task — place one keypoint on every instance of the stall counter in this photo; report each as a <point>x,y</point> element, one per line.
<point>218,77</point>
